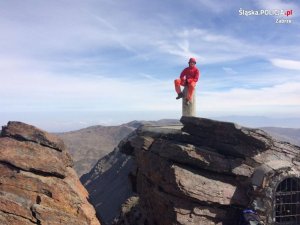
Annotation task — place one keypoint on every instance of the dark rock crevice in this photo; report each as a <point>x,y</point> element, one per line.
<point>45,174</point>
<point>16,215</point>
<point>23,139</point>
<point>196,202</point>
<point>32,170</point>
<point>206,170</point>
<point>44,191</point>
<point>38,201</point>
<point>38,222</point>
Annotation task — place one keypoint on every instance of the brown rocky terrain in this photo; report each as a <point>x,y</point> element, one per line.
<point>37,182</point>
<point>205,173</point>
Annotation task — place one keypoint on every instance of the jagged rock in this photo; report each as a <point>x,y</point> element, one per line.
<point>206,172</point>
<point>37,182</point>
<point>227,138</point>
<point>21,131</point>
<point>111,181</point>
<point>199,157</point>
<point>24,155</point>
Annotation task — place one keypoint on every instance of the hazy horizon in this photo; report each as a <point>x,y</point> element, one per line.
<point>57,123</point>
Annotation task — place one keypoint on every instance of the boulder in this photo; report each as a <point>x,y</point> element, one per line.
<point>37,182</point>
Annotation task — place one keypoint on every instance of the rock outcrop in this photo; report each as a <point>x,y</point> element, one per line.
<point>37,182</point>
<point>205,172</point>
<point>108,183</point>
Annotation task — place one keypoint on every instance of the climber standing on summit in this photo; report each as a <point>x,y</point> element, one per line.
<point>188,77</point>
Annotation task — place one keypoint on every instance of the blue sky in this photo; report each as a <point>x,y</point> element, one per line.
<point>69,64</point>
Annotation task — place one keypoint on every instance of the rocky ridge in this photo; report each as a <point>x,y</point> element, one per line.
<point>108,183</point>
<point>204,173</point>
<point>37,182</point>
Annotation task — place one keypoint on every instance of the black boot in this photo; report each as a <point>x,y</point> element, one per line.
<point>180,95</point>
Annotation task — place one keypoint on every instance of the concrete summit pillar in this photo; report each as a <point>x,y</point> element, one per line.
<point>188,110</point>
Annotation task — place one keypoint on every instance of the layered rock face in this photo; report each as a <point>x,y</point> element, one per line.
<point>205,172</point>
<point>37,182</point>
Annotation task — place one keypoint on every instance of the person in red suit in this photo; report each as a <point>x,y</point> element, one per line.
<point>188,77</point>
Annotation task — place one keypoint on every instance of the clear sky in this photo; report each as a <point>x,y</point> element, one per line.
<point>66,64</point>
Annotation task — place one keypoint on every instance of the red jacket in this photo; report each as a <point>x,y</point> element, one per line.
<point>190,74</point>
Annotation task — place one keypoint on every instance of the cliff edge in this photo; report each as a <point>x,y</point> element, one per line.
<point>37,182</point>
<point>206,172</point>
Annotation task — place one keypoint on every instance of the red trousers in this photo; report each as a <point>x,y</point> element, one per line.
<point>191,87</point>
